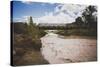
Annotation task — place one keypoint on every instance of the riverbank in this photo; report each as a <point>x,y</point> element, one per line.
<point>57,50</point>
<point>26,47</point>
<point>77,37</point>
<point>88,32</point>
<point>26,51</point>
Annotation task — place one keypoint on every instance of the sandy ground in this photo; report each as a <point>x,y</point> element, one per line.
<point>58,50</point>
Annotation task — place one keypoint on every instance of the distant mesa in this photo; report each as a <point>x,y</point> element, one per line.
<point>51,24</point>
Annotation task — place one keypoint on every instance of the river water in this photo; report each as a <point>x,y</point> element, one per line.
<point>57,50</point>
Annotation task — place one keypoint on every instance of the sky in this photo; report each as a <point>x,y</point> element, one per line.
<point>46,12</point>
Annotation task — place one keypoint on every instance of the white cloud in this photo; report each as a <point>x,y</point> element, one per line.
<point>21,19</point>
<point>72,9</point>
<point>57,9</point>
<point>27,2</point>
<point>63,14</point>
<point>18,20</point>
<point>60,18</point>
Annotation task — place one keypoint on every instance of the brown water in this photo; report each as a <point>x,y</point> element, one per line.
<point>57,50</point>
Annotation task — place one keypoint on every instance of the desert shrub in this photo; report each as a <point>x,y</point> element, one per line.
<point>79,32</point>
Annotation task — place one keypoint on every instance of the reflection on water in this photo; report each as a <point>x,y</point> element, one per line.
<point>57,50</point>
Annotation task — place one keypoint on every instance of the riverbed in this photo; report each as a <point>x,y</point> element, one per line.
<point>57,50</point>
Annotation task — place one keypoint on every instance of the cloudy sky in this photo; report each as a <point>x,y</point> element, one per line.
<point>46,12</point>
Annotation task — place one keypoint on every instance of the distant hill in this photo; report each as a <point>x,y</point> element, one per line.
<point>51,24</point>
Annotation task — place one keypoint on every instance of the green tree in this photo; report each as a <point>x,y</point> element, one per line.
<point>32,29</point>
<point>90,17</point>
<point>79,21</point>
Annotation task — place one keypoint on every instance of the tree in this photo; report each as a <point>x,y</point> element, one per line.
<point>79,21</point>
<point>90,17</point>
<point>32,29</point>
